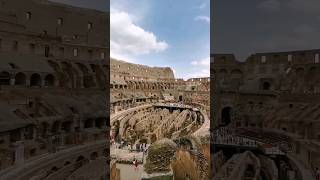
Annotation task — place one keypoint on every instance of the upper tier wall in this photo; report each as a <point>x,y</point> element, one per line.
<point>141,70</point>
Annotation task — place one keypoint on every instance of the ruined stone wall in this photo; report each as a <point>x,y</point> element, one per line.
<point>273,91</point>
<point>141,72</point>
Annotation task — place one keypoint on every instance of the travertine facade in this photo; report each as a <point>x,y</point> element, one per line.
<point>272,98</point>
<point>53,76</point>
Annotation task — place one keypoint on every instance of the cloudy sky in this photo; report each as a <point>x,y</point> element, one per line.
<point>248,26</point>
<point>168,33</point>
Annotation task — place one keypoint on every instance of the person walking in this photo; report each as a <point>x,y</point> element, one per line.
<point>135,163</point>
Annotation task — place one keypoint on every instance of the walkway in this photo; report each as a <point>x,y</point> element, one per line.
<point>127,172</point>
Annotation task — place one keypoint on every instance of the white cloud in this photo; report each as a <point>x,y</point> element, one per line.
<point>128,39</point>
<point>199,74</point>
<point>201,68</point>
<point>270,5</point>
<point>203,5</point>
<point>201,62</point>
<point>202,18</point>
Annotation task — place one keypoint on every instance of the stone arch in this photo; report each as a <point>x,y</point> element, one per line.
<point>223,71</point>
<point>213,73</point>
<point>20,79</point>
<point>44,128</point>
<point>89,123</point>
<point>80,161</point>
<point>49,80</point>
<point>236,73</point>
<point>35,80</point>
<point>99,122</point>
<point>54,169</point>
<point>93,156</point>
<point>300,71</point>
<point>69,74</point>
<point>312,76</point>
<point>266,85</point>
<point>55,127</point>
<point>226,116</point>
<point>99,74</point>
<point>80,158</point>
<point>4,78</point>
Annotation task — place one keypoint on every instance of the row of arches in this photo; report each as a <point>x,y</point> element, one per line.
<point>77,162</point>
<point>140,85</point>
<point>67,126</point>
<point>236,73</point>
<point>22,79</point>
<point>80,75</point>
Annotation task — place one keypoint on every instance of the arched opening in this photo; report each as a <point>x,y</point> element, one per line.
<point>49,80</point>
<point>4,78</point>
<point>66,126</point>
<point>93,156</point>
<point>67,163</point>
<point>44,129</point>
<point>20,79</point>
<point>55,127</point>
<point>35,80</point>
<point>99,123</point>
<point>87,79</point>
<point>80,161</point>
<point>88,123</point>
<point>250,171</point>
<point>226,116</point>
<point>105,152</point>
<point>180,98</point>
<point>54,168</point>
<point>80,158</point>
<point>266,86</point>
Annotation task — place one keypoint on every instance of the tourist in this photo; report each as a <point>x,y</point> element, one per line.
<point>135,163</point>
<point>122,143</point>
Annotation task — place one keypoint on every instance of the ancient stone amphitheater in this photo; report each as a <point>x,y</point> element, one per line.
<point>53,120</point>
<point>148,105</point>
<point>266,116</point>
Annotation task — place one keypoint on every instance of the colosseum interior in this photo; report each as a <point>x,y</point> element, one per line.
<point>169,117</point>
<point>53,78</point>
<point>265,114</point>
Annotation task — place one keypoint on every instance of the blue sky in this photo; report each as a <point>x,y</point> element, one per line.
<point>168,33</point>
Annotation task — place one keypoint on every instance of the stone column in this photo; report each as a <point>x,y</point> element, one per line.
<point>28,81</point>
<point>12,81</point>
<point>19,152</point>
